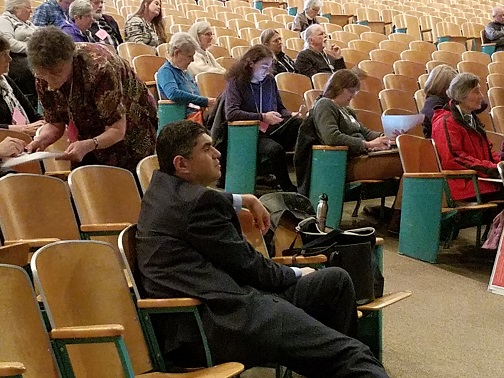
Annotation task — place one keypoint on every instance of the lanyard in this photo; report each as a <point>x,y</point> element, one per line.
<point>326,59</point>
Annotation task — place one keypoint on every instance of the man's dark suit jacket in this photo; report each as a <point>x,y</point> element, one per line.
<point>189,243</point>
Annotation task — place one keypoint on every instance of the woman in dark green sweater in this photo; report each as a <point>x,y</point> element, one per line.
<point>336,124</point>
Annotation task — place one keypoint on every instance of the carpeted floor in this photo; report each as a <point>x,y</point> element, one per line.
<point>451,326</point>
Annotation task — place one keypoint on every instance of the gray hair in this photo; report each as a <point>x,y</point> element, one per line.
<point>10,5</point>
<point>183,42</point>
<point>308,4</point>
<point>495,10</point>
<point>198,28</point>
<point>461,85</point>
<point>80,8</point>
<point>308,33</point>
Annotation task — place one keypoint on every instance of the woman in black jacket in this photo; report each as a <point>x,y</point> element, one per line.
<point>16,112</point>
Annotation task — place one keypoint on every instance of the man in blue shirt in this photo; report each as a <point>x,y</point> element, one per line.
<point>51,12</point>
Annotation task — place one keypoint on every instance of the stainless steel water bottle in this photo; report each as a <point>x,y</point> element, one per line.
<point>322,208</point>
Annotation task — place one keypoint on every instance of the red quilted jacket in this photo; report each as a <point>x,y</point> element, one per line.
<point>461,147</point>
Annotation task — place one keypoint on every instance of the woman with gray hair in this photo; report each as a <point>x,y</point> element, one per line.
<point>174,80</point>
<point>204,61</point>
<point>17,29</point>
<point>81,18</point>
<point>461,140</point>
<point>308,16</point>
<point>110,115</point>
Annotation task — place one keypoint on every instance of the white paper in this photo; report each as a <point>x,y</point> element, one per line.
<point>401,123</point>
<point>26,157</point>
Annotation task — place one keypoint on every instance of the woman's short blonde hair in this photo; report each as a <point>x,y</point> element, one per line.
<point>439,80</point>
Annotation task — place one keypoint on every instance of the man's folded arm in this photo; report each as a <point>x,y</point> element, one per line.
<point>213,234</point>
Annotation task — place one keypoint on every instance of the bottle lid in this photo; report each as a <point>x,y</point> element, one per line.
<point>323,197</point>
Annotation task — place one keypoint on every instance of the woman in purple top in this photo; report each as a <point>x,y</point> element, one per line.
<point>252,94</point>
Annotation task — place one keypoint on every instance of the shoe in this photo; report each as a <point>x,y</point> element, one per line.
<point>374,212</point>
<point>395,222</point>
<point>290,189</point>
<point>267,180</point>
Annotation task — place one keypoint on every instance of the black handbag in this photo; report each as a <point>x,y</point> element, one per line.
<point>351,250</point>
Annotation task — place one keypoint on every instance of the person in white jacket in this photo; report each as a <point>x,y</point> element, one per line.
<point>16,27</point>
<point>204,61</point>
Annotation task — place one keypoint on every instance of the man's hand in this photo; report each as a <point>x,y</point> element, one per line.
<point>334,51</point>
<point>306,270</point>
<point>259,212</point>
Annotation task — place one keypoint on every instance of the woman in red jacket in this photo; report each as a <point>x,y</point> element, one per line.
<point>461,141</point>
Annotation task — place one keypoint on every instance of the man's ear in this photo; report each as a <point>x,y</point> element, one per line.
<point>180,164</point>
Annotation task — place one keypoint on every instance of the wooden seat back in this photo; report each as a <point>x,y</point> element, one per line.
<point>292,101</point>
<point>293,82</point>
<point>400,82</point>
<point>145,66</point>
<point>366,100</point>
<point>36,207</point>
<point>58,167</point>
<point>211,84</point>
<point>15,254</point>
<point>128,50</point>
<point>418,155</point>
<point>320,79</point>
<point>144,170</point>
<point>24,337</point>
<point>310,97</point>
<point>393,98</point>
<point>496,139</point>
<point>82,283</point>
<point>104,194</point>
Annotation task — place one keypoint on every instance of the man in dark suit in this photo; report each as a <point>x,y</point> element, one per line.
<point>190,243</point>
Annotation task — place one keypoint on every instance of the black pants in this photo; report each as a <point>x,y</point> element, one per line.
<point>20,73</point>
<point>314,339</point>
<point>271,149</point>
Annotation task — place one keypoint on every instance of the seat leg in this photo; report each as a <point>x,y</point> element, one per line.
<point>355,212</point>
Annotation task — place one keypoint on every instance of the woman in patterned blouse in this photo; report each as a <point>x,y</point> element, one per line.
<point>111,116</point>
<point>146,25</point>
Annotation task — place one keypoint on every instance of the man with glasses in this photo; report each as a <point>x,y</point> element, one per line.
<point>494,31</point>
<point>318,55</point>
<point>104,28</point>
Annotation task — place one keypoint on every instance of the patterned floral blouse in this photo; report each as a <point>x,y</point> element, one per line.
<point>101,90</point>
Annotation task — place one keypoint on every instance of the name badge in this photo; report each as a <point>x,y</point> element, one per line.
<point>102,34</point>
<point>18,118</point>
<point>72,132</point>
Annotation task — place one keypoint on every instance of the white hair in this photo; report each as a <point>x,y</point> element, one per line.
<point>308,4</point>
<point>198,28</point>
<point>80,8</point>
<point>183,42</point>
<point>10,5</point>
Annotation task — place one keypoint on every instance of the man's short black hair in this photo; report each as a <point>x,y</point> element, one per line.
<point>177,138</point>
